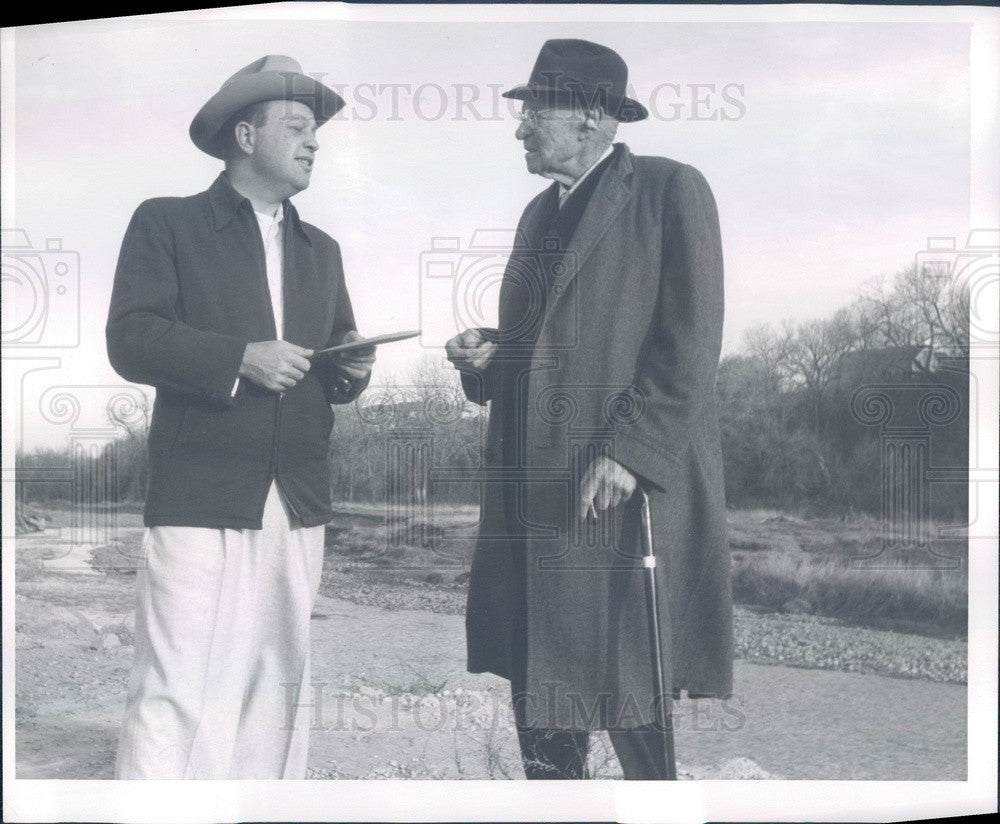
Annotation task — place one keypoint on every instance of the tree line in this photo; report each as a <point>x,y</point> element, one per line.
<point>791,433</point>
<point>792,430</point>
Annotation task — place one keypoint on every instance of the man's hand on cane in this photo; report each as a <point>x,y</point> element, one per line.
<point>606,483</point>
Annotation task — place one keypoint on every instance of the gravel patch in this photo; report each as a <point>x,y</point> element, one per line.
<point>770,638</point>
<point>478,725</point>
<point>825,643</point>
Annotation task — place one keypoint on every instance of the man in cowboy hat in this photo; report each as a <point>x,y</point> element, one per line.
<point>601,379</point>
<point>220,301</point>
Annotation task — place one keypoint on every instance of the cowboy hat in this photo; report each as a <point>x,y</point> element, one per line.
<point>273,77</point>
<point>578,72</point>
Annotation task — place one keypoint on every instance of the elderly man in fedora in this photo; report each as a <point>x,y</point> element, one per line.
<point>600,379</point>
<point>220,302</point>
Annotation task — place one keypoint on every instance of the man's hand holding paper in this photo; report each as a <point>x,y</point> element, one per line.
<point>354,363</point>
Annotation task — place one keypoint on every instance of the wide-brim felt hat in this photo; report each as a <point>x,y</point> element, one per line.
<point>580,73</point>
<point>273,77</point>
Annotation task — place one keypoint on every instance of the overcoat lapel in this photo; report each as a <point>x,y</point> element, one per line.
<point>612,193</point>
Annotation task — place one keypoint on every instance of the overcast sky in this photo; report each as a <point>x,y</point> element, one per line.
<point>835,151</point>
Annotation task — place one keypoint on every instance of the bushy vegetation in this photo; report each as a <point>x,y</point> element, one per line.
<point>900,598</point>
<point>793,434</point>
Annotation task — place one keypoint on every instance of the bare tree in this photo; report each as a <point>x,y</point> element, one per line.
<point>131,413</point>
<point>768,350</point>
<point>440,406</point>
<point>919,307</point>
<point>812,352</point>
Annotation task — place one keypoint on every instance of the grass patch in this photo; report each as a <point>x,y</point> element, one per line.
<point>28,564</point>
<point>782,561</point>
<point>932,602</point>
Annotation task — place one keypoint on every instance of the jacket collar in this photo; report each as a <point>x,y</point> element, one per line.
<point>226,201</point>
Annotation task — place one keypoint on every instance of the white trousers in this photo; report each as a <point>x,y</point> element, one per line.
<point>222,651</point>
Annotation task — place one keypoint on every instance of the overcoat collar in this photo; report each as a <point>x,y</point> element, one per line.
<point>613,191</point>
<point>226,201</point>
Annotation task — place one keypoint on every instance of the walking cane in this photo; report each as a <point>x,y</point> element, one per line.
<point>663,710</point>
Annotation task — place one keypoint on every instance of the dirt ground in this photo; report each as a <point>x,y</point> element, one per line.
<point>395,700</point>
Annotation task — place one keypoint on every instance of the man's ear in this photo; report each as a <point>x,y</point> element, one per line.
<point>246,137</point>
<point>592,118</point>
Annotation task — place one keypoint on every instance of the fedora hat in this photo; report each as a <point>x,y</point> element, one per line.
<point>273,77</point>
<point>578,72</point>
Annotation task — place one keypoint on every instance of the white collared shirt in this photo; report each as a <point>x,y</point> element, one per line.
<point>274,262</point>
<point>270,233</point>
<point>565,192</point>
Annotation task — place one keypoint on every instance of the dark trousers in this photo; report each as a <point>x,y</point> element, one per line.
<point>562,754</point>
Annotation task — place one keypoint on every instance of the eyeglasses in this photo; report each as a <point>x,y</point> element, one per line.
<point>531,117</point>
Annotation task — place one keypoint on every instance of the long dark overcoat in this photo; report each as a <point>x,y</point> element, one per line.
<point>624,363</point>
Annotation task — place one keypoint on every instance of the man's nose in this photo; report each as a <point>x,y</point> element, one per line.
<point>523,129</point>
<point>312,143</point>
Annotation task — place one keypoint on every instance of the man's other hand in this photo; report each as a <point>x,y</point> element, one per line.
<point>470,351</point>
<point>605,483</point>
<point>357,363</point>
<point>275,364</point>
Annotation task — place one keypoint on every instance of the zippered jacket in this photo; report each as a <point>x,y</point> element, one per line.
<point>190,293</point>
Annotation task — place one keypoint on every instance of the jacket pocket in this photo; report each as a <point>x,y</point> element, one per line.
<point>242,430</point>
